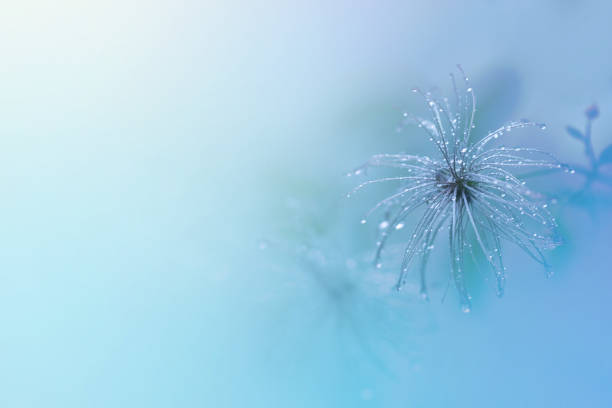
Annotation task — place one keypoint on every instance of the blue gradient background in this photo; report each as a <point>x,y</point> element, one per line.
<point>149,147</point>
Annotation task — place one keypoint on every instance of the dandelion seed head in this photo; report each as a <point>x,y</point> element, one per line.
<point>469,190</point>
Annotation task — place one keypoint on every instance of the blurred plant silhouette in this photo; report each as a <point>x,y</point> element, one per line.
<point>597,173</point>
<point>468,190</point>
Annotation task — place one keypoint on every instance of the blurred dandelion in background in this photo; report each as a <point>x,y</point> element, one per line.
<point>344,302</point>
<point>469,190</point>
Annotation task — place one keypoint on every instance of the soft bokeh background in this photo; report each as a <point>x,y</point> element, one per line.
<point>174,227</point>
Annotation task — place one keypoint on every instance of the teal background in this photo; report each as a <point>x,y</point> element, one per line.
<point>174,231</point>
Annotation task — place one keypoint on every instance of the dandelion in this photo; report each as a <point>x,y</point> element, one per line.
<point>469,190</point>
